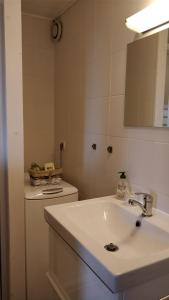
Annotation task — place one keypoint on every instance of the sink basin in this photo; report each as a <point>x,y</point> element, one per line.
<point>87,226</point>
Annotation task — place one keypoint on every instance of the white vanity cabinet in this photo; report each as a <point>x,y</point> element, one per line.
<point>82,269</point>
<point>71,278</point>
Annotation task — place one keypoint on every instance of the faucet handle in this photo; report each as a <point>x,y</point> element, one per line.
<point>147,197</point>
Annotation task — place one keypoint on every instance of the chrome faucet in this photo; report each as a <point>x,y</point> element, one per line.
<point>146,206</point>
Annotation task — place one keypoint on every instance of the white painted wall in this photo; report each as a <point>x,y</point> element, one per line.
<point>14,153</point>
<point>3,183</point>
<point>38,90</point>
<point>90,84</point>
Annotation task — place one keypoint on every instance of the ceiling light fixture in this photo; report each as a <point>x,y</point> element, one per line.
<point>151,17</point>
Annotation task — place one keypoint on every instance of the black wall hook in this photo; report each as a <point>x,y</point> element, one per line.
<point>94,146</point>
<point>109,149</point>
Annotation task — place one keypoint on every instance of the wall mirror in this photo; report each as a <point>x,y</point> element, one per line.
<point>147,81</point>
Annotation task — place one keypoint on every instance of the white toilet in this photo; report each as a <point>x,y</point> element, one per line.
<point>36,198</point>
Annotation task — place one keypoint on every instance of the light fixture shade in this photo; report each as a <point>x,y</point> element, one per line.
<point>150,17</point>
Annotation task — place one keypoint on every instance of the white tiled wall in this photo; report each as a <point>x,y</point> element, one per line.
<point>39,90</point>
<point>90,84</point>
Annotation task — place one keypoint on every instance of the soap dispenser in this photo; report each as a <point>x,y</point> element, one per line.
<point>122,186</point>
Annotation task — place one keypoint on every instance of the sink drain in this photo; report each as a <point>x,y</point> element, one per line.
<point>111,247</point>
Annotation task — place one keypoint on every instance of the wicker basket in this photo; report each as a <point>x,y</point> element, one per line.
<point>42,173</point>
<point>44,177</point>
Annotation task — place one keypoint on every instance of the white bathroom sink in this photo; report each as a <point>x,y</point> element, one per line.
<point>87,226</point>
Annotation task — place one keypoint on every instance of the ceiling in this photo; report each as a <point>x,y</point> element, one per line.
<point>46,8</point>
